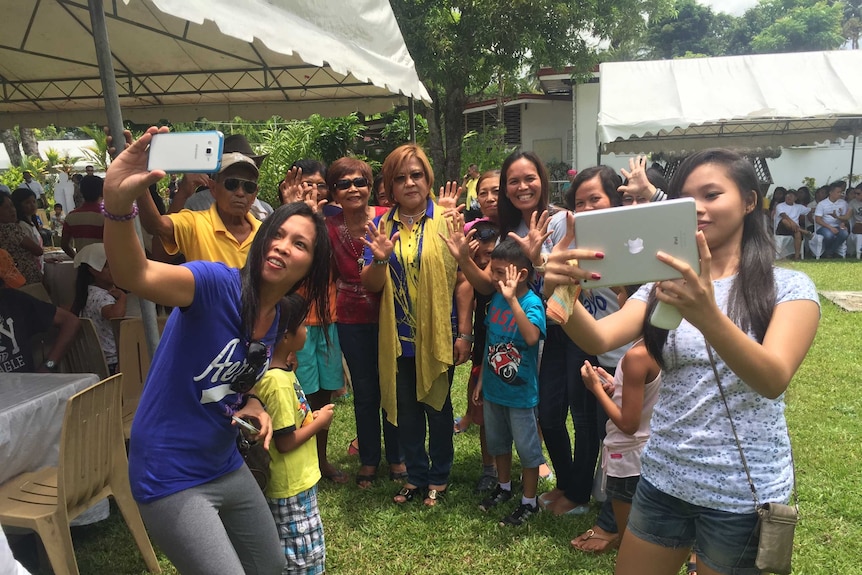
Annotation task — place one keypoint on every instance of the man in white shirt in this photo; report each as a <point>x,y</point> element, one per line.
<point>830,218</point>
<point>787,218</point>
<point>34,187</point>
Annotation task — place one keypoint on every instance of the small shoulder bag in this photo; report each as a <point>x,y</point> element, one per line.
<point>776,522</point>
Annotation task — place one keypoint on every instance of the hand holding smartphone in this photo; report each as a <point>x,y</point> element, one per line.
<point>245,425</point>
<point>186,152</point>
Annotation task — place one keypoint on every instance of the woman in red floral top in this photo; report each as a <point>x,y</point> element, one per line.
<point>349,181</point>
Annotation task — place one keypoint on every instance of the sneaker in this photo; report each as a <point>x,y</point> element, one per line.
<point>499,495</point>
<point>486,482</point>
<point>520,515</point>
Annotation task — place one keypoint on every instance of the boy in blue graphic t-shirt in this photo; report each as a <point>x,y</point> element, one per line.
<point>509,380</point>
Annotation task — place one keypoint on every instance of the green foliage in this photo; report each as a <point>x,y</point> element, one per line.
<point>11,177</point>
<point>397,130</point>
<point>487,149</point>
<point>98,153</point>
<point>803,28</point>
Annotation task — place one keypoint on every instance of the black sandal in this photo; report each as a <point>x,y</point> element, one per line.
<point>365,479</point>
<point>407,493</point>
<point>433,497</point>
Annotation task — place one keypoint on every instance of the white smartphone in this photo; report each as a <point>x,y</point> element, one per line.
<point>186,152</point>
<point>245,425</point>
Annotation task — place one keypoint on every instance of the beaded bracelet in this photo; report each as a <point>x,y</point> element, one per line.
<point>115,218</point>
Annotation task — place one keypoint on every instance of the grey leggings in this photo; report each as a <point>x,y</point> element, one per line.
<point>223,526</point>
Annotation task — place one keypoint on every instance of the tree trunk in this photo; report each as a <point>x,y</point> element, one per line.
<point>28,142</point>
<point>10,141</point>
<point>453,117</point>
<point>435,138</point>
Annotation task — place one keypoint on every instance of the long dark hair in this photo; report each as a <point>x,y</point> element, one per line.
<point>315,284</point>
<point>19,196</point>
<point>510,216</point>
<point>82,288</point>
<point>751,300</point>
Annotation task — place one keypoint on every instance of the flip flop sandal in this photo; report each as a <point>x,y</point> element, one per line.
<point>613,541</point>
<point>398,475</point>
<point>407,494</point>
<point>365,481</point>
<point>457,430</point>
<point>353,446</point>
<point>433,497</point>
<point>339,477</point>
<point>691,568</point>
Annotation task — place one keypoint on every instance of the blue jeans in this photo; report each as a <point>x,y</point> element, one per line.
<point>429,467</point>
<point>561,390</point>
<point>831,242</point>
<point>359,346</point>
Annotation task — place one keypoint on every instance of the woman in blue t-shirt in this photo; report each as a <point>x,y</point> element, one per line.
<point>199,501</point>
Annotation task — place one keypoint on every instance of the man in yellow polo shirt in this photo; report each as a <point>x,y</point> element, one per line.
<point>224,232</point>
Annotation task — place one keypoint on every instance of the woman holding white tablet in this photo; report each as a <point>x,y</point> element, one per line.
<point>760,321</point>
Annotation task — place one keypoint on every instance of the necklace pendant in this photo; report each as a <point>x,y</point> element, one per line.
<point>361,263</point>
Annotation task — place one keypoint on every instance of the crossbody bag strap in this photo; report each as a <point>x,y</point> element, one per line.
<point>736,437</point>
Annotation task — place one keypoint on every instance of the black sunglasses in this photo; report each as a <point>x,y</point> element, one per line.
<point>232,184</point>
<point>345,184</point>
<point>485,234</point>
<point>256,358</point>
<point>416,176</point>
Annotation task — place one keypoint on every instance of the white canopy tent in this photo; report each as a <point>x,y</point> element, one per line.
<point>186,59</point>
<point>755,103</point>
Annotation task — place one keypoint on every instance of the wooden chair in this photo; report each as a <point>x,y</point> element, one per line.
<point>85,355</point>
<point>92,466</point>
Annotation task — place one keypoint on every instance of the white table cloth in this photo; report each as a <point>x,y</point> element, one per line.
<point>31,418</point>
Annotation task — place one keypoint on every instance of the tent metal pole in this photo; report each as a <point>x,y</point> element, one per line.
<point>852,161</point>
<point>411,110</point>
<point>115,123</point>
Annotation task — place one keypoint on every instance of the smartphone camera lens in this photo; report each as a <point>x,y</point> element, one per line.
<point>209,151</point>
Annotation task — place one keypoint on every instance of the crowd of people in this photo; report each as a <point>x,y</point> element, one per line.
<point>386,273</point>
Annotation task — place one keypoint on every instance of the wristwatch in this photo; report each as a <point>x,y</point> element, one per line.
<point>50,365</point>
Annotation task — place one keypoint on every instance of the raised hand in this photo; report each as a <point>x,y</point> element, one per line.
<point>532,243</point>
<point>638,185</point>
<point>128,177</point>
<point>448,198</point>
<point>291,189</point>
<point>381,245</point>
<point>509,287</point>
<point>562,265</point>
<point>693,295</point>
<point>456,241</point>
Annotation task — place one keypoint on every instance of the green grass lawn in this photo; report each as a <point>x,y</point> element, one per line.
<point>366,533</point>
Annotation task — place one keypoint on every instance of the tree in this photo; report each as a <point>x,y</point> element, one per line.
<point>461,46</point>
<point>803,28</point>
<point>692,29</point>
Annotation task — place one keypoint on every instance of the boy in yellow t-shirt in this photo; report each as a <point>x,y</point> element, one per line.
<point>292,489</point>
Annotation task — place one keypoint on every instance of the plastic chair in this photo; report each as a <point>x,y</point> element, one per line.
<point>85,355</point>
<point>134,362</point>
<point>92,466</point>
<point>855,241</point>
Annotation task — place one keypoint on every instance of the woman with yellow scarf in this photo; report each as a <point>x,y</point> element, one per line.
<point>407,260</point>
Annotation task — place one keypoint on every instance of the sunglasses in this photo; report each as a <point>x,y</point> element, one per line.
<point>345,184</point>
<point>416,176</point>
<point>233,184</point>
<point>257,356</point>
<point>485,234</point>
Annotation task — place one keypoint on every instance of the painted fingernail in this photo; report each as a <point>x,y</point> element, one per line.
<point>596,276</point>
<point>600,255</point>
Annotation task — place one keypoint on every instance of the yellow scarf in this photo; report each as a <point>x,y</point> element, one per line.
<point>433,345</point>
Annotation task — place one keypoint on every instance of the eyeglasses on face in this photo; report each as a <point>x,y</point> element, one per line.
<point>233,184</point>
<point>416,176</point>
<point>630,200</point>
<point>258,354</point>
<point>345,184</point>
<point>321,187</point>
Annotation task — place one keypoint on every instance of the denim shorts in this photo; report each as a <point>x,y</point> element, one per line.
<point>506,424</point>
<point>622,488</point>
<point>725,542</point>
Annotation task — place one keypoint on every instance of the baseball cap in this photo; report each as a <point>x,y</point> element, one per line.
<point>229,159</point>
<point>93,255</point>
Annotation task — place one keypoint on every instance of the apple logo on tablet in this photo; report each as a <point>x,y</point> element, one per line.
<point>635,246</point>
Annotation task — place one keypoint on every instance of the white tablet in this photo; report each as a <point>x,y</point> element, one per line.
<point>630,237</point>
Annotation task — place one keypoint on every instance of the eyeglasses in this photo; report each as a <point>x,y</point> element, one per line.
<point>256,358</point>
<point>416,176</point>
<point>629,200</point>
<point>345,184</point>
<point>485,234</point>
<point>233,184</point>
<point>321,187</point>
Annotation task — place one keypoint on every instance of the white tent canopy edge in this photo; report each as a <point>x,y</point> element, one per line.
<point>760,102</point>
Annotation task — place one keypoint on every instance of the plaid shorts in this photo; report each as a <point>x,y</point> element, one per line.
<point>300,529</point>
